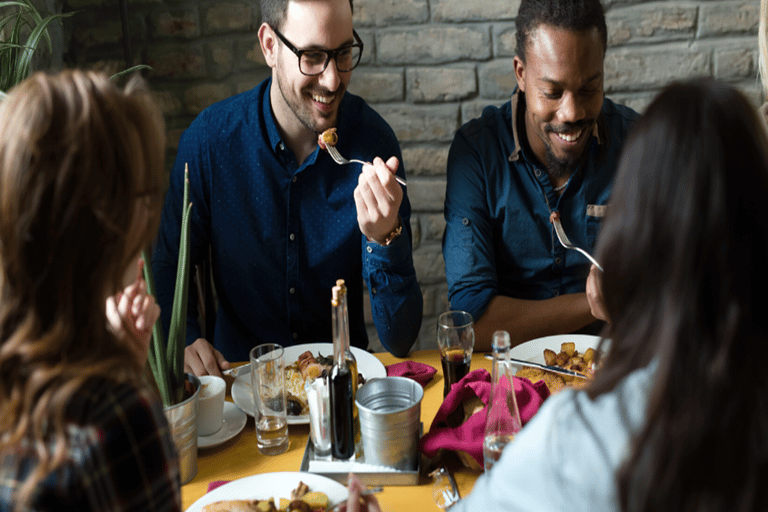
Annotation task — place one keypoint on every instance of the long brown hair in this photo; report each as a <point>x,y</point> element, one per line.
<point>80,186</point>
<point>684,249</point>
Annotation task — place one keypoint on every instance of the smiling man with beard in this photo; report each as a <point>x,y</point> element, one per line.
<point>552,148</point>
<point>283,221</point>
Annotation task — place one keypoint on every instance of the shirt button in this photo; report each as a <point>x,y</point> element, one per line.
<point>557,260</point>
<point>556,293</point>
<point>281,147</point>
<point>292,237</point>
<point>295,335</point>
<point>373,291</point>
<point>369,249</point>
<point>465,221</point>
<point>292,291</point>
<point>294,179</point>
<point>537,172</point>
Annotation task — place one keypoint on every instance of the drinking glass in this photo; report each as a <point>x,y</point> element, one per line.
<point>455,339</point>
<point>269,398</point>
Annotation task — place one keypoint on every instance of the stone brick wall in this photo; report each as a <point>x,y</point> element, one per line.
<point>428,67</point>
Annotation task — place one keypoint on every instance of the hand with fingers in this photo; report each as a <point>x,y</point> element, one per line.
<point>200,358</point>
<point>357,501</point>
<point>595,294</point>
<point>131,314</point>
<point>377,198</point>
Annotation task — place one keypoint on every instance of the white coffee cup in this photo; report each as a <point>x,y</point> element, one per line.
<point>210,410</point>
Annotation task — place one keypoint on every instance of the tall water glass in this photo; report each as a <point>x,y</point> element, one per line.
<point>269,398</point>
<point>456,340</point>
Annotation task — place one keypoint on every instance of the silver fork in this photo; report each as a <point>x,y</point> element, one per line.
<point>565,242</point>
<point>342,161</point>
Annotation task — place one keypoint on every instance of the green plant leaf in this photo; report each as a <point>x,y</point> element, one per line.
<point>124,72</point>
<point>156,359</point>
<point>40,31</point>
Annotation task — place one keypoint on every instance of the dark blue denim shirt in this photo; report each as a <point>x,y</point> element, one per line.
<point>498,238</point>
<point>281,233</point>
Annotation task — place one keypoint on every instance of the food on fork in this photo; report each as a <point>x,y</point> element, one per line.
<point>568,358</point>
<point>328,138</point>
<point>553,217</point>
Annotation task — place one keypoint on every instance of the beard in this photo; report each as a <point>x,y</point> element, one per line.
<point>301,106</point>
<point>564,167</point>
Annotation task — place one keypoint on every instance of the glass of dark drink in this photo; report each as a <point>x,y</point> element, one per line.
<point>455,339</point>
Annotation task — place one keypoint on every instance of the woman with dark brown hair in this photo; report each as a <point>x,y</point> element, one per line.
<point>80,182</point>
<point>677,418</point>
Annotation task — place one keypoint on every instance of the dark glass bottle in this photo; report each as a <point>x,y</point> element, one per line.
<point>342,380</point>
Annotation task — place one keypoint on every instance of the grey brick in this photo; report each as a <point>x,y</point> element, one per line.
<point>735,63</point>
<point>433,44</point>
<point>224,17</point>
<point>429,264</point>
<point>461,10</point>
<point>390,12</point>
<point>178,62</point>
<point>221,57</point>
<point>418,123</point>
<point>651,23</point>
<point>248,53</point>
<point>425,160</point>
<point>433,225</point>
<point>644,68</point>
<point>377,85</point>
<point>721,18</point>
<point>441,84</point>
<point>637,101</point>
<point>169,102</point>
<point>497,79</point>
<point>426,195</point>
<point>182,23</point>
<point>504,41</point>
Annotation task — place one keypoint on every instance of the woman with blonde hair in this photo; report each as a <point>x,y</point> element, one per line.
<point>80,186</point>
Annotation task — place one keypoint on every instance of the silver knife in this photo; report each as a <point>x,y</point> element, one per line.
<point>236,372</point>
<point>553,369</point>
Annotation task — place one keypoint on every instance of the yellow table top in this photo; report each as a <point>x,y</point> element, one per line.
<point>240,456</point>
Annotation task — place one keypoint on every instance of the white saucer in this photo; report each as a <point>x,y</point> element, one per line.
<point>232,424</point>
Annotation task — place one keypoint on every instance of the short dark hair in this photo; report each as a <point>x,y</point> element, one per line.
<point>273,12</point>
<point>568,14</point>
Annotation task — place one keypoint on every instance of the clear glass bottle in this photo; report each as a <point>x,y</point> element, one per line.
<point>342,380</point>
<point>503,419</point>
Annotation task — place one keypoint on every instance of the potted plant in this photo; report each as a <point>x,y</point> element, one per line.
<point>178,391</point>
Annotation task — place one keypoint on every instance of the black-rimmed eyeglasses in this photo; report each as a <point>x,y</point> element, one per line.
<point>313,62</point>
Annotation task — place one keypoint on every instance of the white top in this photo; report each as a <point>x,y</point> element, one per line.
<point>566,456</point>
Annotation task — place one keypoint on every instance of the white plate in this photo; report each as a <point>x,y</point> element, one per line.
<point>367,365</point>
<point>533,350</point>
<point>232,424</point>
<point>271,485</point>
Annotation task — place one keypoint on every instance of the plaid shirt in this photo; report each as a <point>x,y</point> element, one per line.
<point>121,456</point>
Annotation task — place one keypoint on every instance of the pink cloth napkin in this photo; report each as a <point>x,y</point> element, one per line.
<point>420,372</point>
<point>467,436</point>
<point>215,484</point>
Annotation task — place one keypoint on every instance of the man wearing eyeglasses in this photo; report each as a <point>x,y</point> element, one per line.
<point>284,221</point>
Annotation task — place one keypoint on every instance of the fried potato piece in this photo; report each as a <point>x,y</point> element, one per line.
<point>589,355</point>
<point>569,348</point>
<point>549,356</point>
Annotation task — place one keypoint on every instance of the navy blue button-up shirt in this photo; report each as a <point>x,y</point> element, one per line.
<point>498,239</point>
<point>281,233</point>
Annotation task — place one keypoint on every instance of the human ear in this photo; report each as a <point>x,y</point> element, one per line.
<point>519,67</point>
<point>268,44</point>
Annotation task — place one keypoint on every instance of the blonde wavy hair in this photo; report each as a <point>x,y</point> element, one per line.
<point>81,165</point>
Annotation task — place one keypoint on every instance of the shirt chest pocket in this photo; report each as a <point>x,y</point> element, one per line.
<point>595,214</point>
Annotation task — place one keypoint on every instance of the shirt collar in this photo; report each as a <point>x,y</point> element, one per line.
<point>518,100</point>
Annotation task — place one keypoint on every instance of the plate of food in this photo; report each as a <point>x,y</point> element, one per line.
<point>576,352</point>
<point>367,366</point>
<point>253,493</point>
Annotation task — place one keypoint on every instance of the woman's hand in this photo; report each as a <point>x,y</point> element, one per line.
<point>595,294</point>
<point>131,314</point>
<point>355,501</point>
